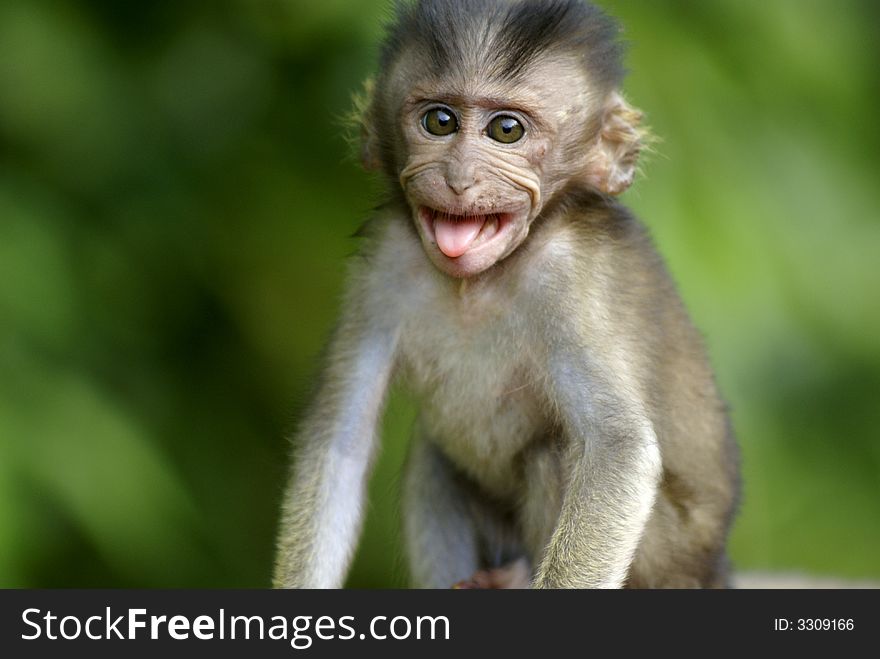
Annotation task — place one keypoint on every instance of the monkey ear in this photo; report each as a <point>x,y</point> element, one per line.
<point>359,120</point>
<point>369,150</point>
<point>611,164</point>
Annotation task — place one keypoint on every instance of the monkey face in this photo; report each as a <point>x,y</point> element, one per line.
<point>470,181</point>
<point>482,156</point>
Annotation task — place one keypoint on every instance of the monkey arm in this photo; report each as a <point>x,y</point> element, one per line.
<point>613,472</point>
<point>334,449</point>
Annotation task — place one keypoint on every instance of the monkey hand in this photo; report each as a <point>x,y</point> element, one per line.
<point>511,576</point>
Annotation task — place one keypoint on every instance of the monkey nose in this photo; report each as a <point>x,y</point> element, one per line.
<point>459,187</point>
<point>460,182</point>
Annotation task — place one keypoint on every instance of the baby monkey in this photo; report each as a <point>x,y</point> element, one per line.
<point>570,433</point>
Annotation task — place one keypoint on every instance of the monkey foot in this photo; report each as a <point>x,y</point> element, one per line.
<point>511,576</point>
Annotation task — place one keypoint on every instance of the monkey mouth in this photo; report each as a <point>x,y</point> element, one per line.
<point>455,235</point>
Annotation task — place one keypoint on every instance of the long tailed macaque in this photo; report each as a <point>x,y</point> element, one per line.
<point>570,432</point>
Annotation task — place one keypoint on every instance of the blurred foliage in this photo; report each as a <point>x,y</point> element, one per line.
<point>176,203</point>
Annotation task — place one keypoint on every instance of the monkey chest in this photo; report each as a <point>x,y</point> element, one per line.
<point>479,399</point>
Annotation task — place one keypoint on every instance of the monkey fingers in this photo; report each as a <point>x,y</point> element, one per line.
<point>514,575</point>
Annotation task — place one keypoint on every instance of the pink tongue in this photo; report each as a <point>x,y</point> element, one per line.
<point>455,238</point>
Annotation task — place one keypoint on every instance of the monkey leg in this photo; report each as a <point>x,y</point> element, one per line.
<point>543,477</point>
<point>682,547</point>
<point>451,534</point>
<point>441,540</point>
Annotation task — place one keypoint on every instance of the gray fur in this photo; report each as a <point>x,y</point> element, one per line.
<point>569,425</point>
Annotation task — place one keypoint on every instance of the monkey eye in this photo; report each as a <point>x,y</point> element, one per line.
<point>505,129</point>
<point>440,121</point>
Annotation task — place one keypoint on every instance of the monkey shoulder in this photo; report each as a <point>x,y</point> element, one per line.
<point>592,249</point>
<point>610,232</point>
<point>385,271</point>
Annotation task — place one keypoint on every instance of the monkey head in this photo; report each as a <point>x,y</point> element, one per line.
<point>482,126</point>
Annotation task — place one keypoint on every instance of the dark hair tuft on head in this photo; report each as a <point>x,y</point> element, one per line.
<point>517,32</point>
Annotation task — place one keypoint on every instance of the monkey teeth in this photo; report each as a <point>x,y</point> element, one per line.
<point>458,234</point>
<point>490,228</point>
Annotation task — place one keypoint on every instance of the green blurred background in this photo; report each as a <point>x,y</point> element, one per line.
<point>176,201</point>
